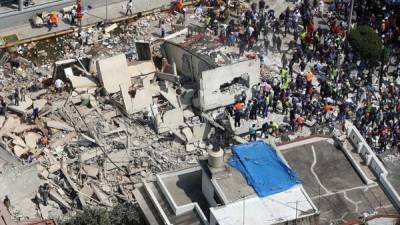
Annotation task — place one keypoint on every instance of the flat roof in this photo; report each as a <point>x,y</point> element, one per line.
<point>284,206</point>
<point>228,181</point>
<point>333,184</point>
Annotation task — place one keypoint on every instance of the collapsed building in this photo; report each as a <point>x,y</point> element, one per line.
<point>263,191</point>
<point>120,121</point>
<point>130,117</point>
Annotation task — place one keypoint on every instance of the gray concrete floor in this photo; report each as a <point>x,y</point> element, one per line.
<point>334,186</point>
<point>186,189</point>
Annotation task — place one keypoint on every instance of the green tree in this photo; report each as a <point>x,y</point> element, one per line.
<point>367,43</point>
<point>126,214</point>
<point>122,214</point>
<point>89,216</point>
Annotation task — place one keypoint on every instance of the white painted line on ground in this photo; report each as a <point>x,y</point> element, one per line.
<point>313,172</point>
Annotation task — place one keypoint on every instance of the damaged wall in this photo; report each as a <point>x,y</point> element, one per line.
<point>221,86</point>
<point>187,62</point>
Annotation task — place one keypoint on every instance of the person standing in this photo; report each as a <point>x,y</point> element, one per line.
<point>253,132</point>
<point>58,84</point>
<point>237,118</point>
<point>265,129</point>
<point>163,29</point>
<point>299,122</point>
<point>73,15</point>
<point>7,203</point>
<point>278,43</point>
<point>44,191</point>
<point>129,7</point>
<point>16,96</point>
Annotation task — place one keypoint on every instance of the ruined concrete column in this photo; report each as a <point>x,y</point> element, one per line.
<point>20,5</point>
<point>174,68</point>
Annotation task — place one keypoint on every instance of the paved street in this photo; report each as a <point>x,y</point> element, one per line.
<point>114,10</point>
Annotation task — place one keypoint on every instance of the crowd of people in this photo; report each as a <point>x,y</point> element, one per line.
<point>321,78</point>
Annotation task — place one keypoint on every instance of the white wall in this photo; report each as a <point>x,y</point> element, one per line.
<point>372,161</point>
<point>207,189</point>
<point>187,63</point>
<point>210,95</point>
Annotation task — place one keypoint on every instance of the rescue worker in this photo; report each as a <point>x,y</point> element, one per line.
<point>253,132</point>
<point>53,20</point>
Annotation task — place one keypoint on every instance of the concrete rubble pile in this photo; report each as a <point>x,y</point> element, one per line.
<point>118,121</point>
<point>132,106</point>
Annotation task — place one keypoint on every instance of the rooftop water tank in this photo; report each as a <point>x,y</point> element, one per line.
<point>216,158</point>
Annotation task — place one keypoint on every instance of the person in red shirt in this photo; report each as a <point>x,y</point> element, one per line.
<point>299,122</point>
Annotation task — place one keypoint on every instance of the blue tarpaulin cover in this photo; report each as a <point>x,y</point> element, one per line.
<point>263,168</point>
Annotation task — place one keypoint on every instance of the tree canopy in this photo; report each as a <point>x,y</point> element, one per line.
<point>123,214</point>
<point>367,43</point>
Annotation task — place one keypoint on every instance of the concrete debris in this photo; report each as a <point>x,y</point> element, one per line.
<point>96,125</point>
<point>59,125</point>
<point>113,72</point>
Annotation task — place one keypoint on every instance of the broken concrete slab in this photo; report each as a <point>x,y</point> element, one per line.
<point>22,107</point>
<point>211,121</point>
<point>87,190</point>
<point>113,72</point>
<point>111,28</point>
<point>200,131</point>
<point>11,123</point>
<point>61,141</point>
<point>80,82</point>
<point>190,148</point>
<point>170,120</point>
<point>55,167</point>
<point>24,127</point>
<point>59,125</point>
<point>57,198</point>
<point>179,135</point>
<point>168,77</point>
<point>188,134</point>
<point>120,158</point>
<point>142,100</point>
<point>90,171</point>
<point>187,114</point>
<point>126,98</point>
<point>19,151</point>
<point>17,140</point>
<point>40,103</point>
<point>37,94</point>
<point>2,119</point>
<point>31,139</point>
<point>101,196</point>
<point>44,174</point>
<point>171,98</point>
<point>90,154</point>
<point>141,68</point>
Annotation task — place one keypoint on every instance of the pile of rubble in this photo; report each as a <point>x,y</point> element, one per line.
<point>132,106</point>
<point>117,121</point>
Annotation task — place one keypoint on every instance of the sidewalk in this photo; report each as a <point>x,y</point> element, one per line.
<point>114,11</point>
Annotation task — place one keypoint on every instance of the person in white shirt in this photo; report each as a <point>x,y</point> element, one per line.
<point>129,7</point>
<point>58,84</point>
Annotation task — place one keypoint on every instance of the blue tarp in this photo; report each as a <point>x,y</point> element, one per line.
<point>263,168</point>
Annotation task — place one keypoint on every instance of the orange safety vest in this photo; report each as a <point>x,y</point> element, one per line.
<point>328,108</point>
<point>53,19</point>
<point>239,106</point>
<point>179,5</point>
<point>309,76</point>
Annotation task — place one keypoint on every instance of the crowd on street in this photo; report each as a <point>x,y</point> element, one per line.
<point>321,78</point>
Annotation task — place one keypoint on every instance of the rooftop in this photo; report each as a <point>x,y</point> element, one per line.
<point>284,206</point>
<point>333,184</point>
<point>230,181</point>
